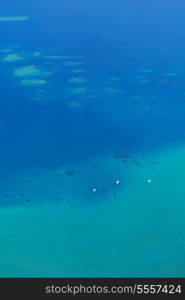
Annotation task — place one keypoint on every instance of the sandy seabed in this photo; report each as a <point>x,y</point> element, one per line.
<point>138,233</point>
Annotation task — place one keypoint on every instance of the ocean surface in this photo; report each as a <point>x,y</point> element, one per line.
<point>92,138</point>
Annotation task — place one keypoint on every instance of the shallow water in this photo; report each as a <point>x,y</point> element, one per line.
<point>92,140</point>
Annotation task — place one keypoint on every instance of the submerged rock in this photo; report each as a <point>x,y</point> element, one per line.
<point>69,172</point>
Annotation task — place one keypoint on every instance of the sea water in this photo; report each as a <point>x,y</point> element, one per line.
<point>92,140</point>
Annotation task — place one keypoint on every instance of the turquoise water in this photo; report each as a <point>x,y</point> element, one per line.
<point>92,139</point>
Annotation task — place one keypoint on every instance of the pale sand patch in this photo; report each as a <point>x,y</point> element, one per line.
<point>14,19</point>
<point>6,50</point>
<point>33,82</point>
<point>77,80</point>
<point>13,58</point>
<point>26,71</point>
